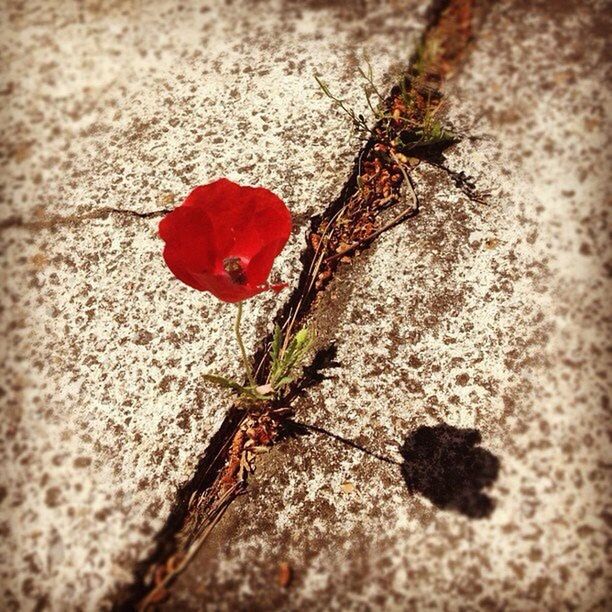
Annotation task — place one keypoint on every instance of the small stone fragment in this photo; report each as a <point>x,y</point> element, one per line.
<point>167,198</point>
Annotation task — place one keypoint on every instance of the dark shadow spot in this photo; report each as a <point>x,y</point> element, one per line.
<point>324,359</point>
<point>314,374</point>
<point>291,429</point>
<point>444,464</point>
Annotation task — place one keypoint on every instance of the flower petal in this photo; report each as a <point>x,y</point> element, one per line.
<point>188,236</point>
<point>219,222</point>
<point>222,287</point>
<point>260,265</point>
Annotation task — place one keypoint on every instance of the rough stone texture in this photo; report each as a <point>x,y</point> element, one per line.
<point>127,106</point>
<point>488,316</point>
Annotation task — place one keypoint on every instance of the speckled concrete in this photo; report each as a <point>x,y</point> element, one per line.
<point>493,316</point>
<point>126,106</point>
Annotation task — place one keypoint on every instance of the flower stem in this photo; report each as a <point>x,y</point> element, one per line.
<point>245,359</point>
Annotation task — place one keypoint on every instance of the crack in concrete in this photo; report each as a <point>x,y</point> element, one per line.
<point>198,501</point>
<point>73,220</point>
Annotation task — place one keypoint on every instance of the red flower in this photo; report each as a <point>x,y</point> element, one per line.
<point>224,238</point>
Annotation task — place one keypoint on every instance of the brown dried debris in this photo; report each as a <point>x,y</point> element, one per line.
<point>407,115</point>
<point>256,434</point>
<point>284,574</point>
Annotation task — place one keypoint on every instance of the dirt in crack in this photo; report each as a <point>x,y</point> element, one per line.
<point>408,131</point>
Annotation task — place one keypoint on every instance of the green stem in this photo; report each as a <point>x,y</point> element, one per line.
<point>245,359</point>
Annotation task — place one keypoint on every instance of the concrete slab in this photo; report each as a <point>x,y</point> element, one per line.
<point>129,105</point>
<point>125,107</point>
<point>487,316</point>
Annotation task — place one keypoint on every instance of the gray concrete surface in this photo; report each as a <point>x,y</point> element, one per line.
<point>490,316</point>
<point>128,105</point>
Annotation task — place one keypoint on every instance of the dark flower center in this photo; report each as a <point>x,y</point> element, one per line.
<point>234,269</point>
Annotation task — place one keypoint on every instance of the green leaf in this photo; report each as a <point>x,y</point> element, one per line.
<point>285,381</point>
<point>277,340</point>
<point>302,337</point>
<point>276,343</point>
<point>282,371</point>
<point>225,383</point>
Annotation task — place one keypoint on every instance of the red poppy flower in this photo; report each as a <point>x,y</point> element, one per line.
<point>224,238</point>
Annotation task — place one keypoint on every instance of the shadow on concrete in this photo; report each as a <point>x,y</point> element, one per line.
<point>446,465</point>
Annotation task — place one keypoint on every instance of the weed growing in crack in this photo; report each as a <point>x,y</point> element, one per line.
<point>358,120</point>
<point>408,120</point>
<point>287,357</point>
